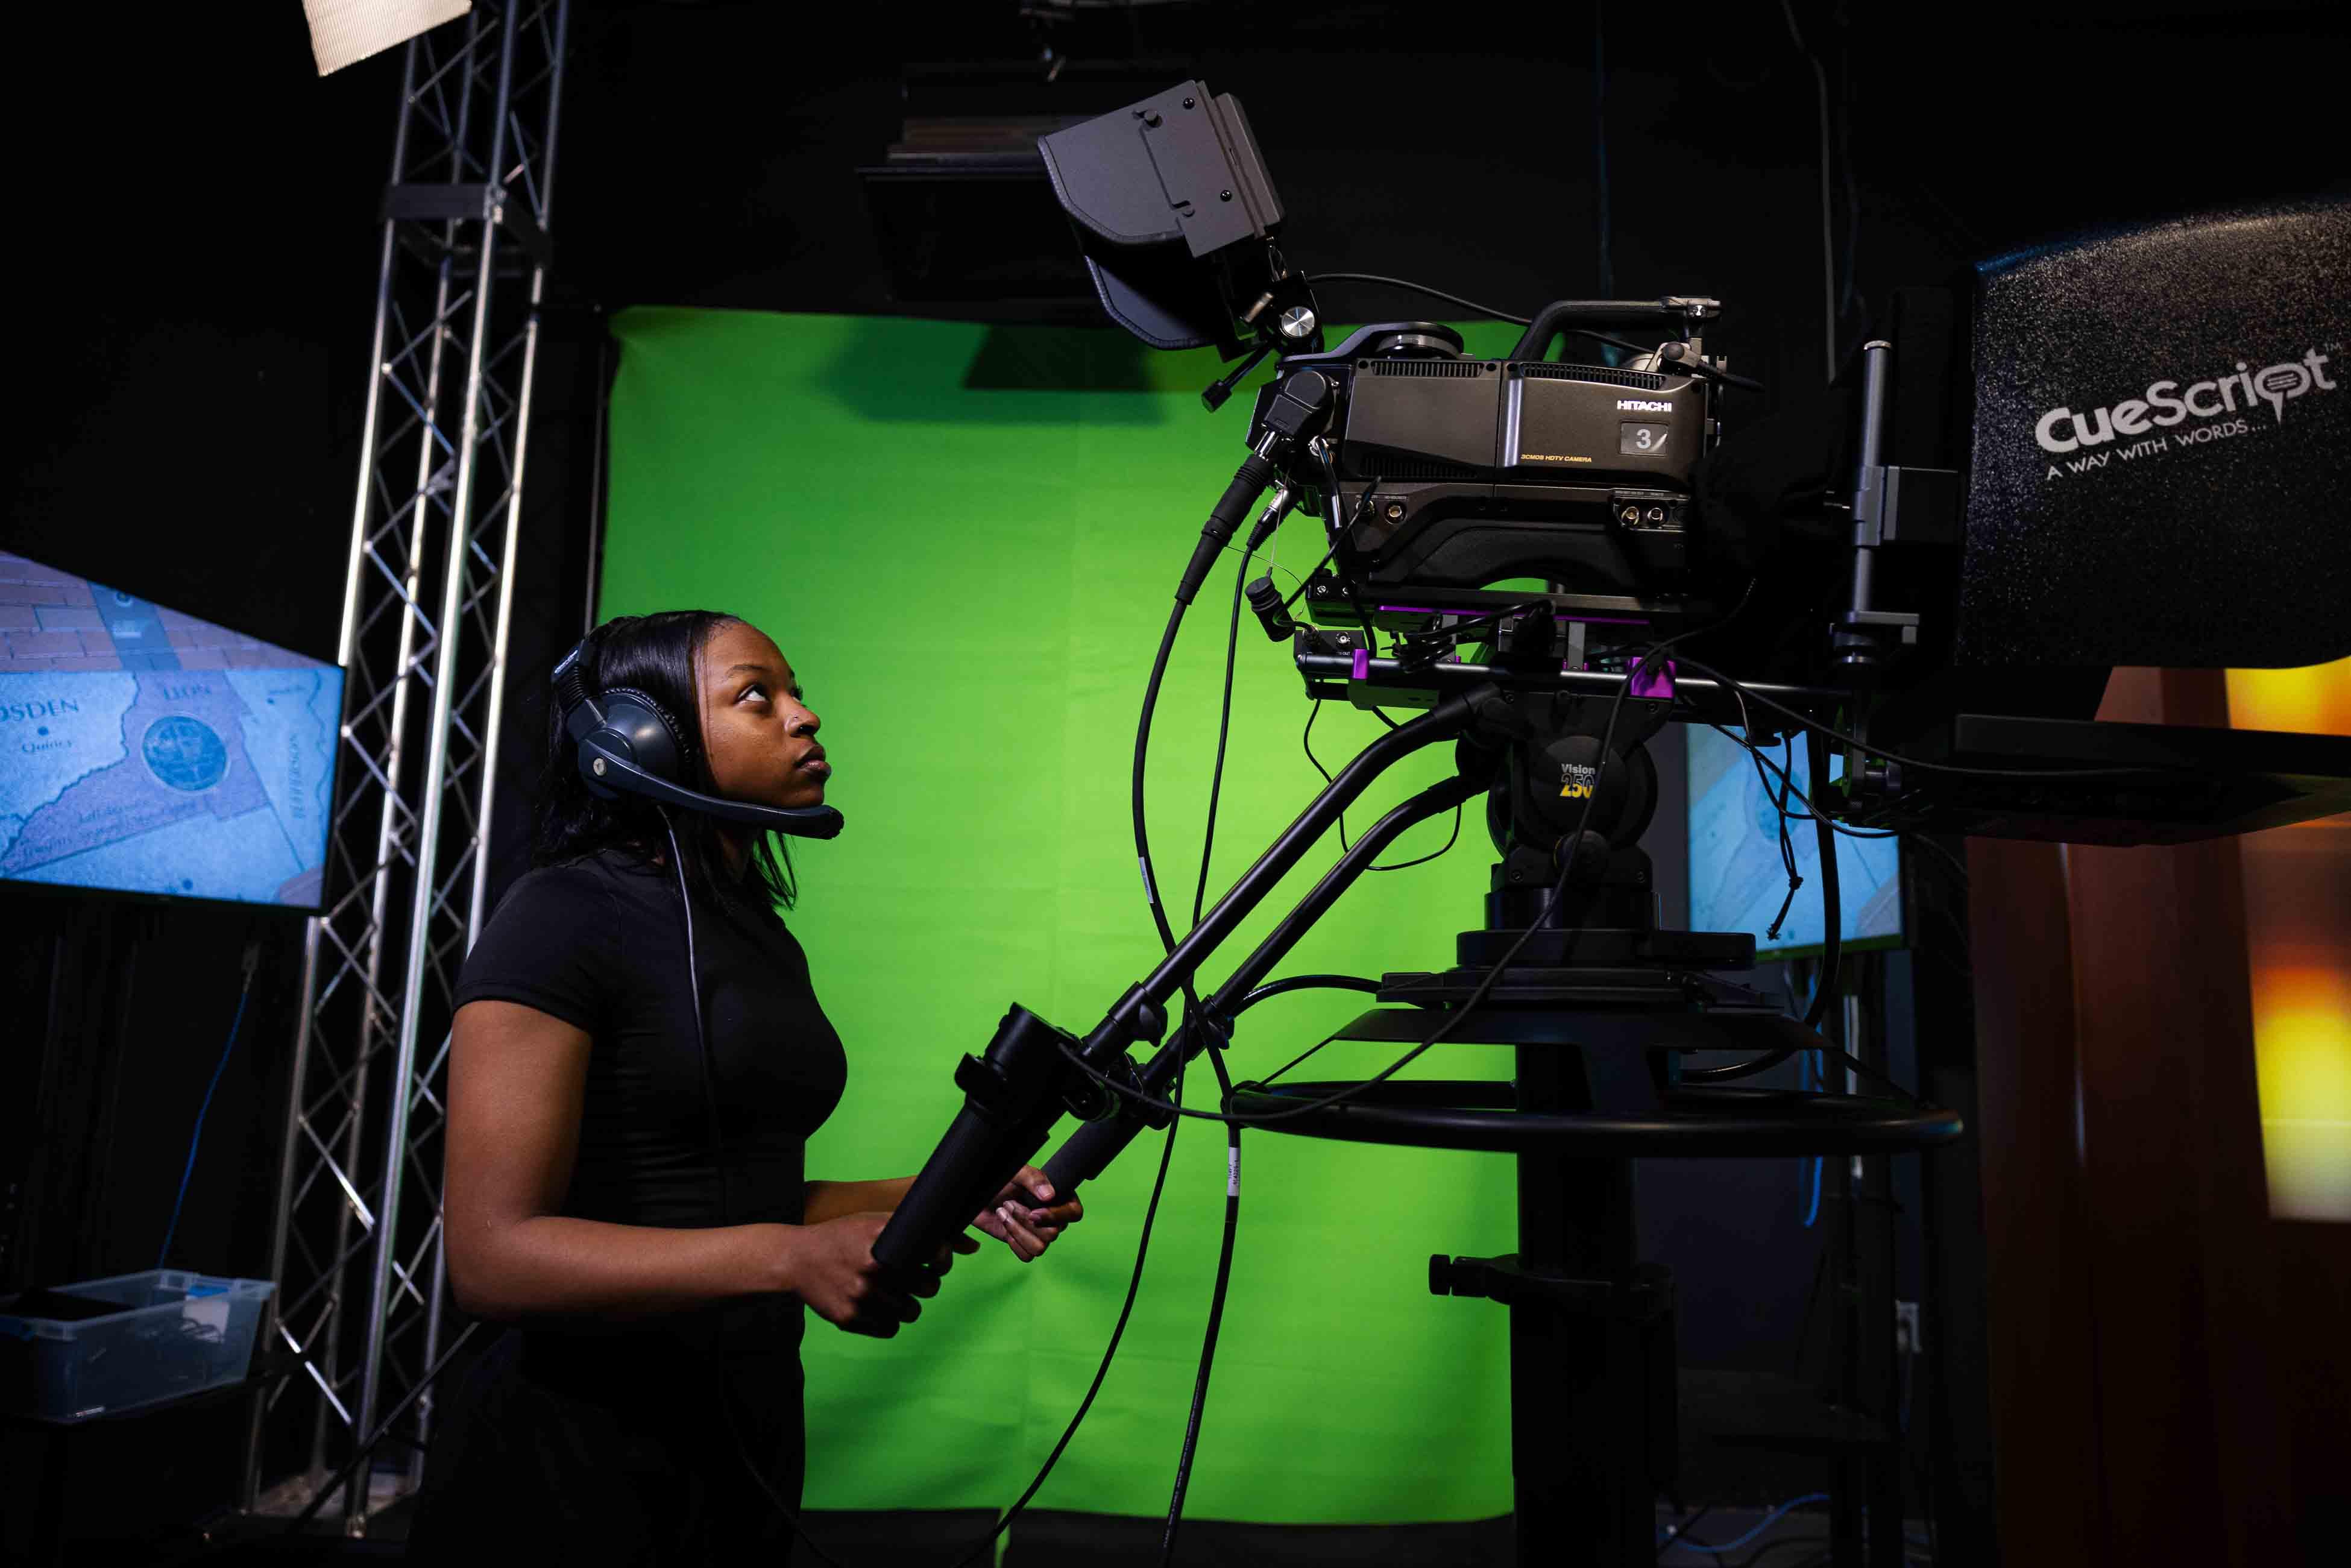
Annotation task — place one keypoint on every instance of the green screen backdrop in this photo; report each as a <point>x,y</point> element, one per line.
<point>966,538</point>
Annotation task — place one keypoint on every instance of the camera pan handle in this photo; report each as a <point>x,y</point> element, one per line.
<point>1560,314</point>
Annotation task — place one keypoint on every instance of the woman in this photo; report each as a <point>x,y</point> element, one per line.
<point>655,1288</point>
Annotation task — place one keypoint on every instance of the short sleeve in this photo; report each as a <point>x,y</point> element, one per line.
<point>550,945</point>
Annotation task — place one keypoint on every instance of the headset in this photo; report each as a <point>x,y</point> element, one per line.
<point>626,743</point>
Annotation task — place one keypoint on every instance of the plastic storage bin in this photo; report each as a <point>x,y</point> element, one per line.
<point>161,1335</point>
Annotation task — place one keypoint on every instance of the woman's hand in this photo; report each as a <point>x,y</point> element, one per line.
<point>833,1270</point>
<point>1024,1215</point>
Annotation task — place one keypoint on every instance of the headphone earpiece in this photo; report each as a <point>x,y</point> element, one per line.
<point>639,729</point>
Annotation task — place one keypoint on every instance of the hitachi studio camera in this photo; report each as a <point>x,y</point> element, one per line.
<point>2129,448</point>
<point>2126,448</point>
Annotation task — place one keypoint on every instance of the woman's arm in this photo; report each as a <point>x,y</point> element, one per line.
<point>831,1199</point>
<point>516,1078</point>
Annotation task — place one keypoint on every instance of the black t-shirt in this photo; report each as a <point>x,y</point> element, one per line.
<point>599,943</point>
<point>609,1435</point>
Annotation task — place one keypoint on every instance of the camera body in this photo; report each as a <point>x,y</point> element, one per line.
<point>1450,474</point>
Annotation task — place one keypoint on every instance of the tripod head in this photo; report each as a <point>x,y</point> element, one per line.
<point>1561,800</point>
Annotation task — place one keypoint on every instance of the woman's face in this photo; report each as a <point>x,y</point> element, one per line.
<point>761,736</point>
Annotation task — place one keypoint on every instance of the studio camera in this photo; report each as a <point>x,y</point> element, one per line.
<point>2124,448</point>
<point>1941,534</point>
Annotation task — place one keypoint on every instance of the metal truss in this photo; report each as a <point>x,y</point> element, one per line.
<point>357,1245</point>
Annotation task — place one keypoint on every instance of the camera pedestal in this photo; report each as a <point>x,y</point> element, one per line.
<point>1598,1005</point>
<point>1593,1423</point>
<point>1593,1434</point>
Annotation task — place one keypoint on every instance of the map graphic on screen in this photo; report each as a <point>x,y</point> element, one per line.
<point>150,752</point>
<point>1737,880</point>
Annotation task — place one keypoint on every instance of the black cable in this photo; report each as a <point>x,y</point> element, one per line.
<point>1832,908</point>
<point>1811,813</point>
<point>1787,845</point>
<point>1787,849</point>
<point>1832,947</point>
<point>719,1156</point>
<point>1762,761</point>
<point>1118,1330</point>
<point>1224,729</point>
<point>1216,1311</point>
<point>1299,592</point>
<point>1271,565</point>
<point>1322,453</point>
<point>1295,1061</point>
<point>1288,983</point>
<point>1358,603</point>
<point>701,1036</point>
<point>1142,747</point>
<point>1225,1084</point>
<point>1452,838</point>
<point>1344,982</point>
<point>1195,1019</point>
<point>1232,1226</point>
<point>1167,941</point>
<point>1142,735</point>
<point>1307,741</point>
<point>726,1205</point>
<point>1779,808</point>
<point>1362,502</point>
<point>1444,637</point>
<point>1411,288</point>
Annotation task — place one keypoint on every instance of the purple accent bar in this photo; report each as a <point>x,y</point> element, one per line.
<point>1588,620</point>
<point>1363,664</point>
<point>1654,682</point>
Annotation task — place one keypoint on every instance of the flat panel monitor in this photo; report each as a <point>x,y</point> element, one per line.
<point>147,752</point>
<point>1737,878</point>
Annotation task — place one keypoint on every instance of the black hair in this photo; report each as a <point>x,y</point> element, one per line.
<point>654,654</point>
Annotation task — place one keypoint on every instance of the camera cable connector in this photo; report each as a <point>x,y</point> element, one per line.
<point>1271,613</point>
<point>1296,406</point>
